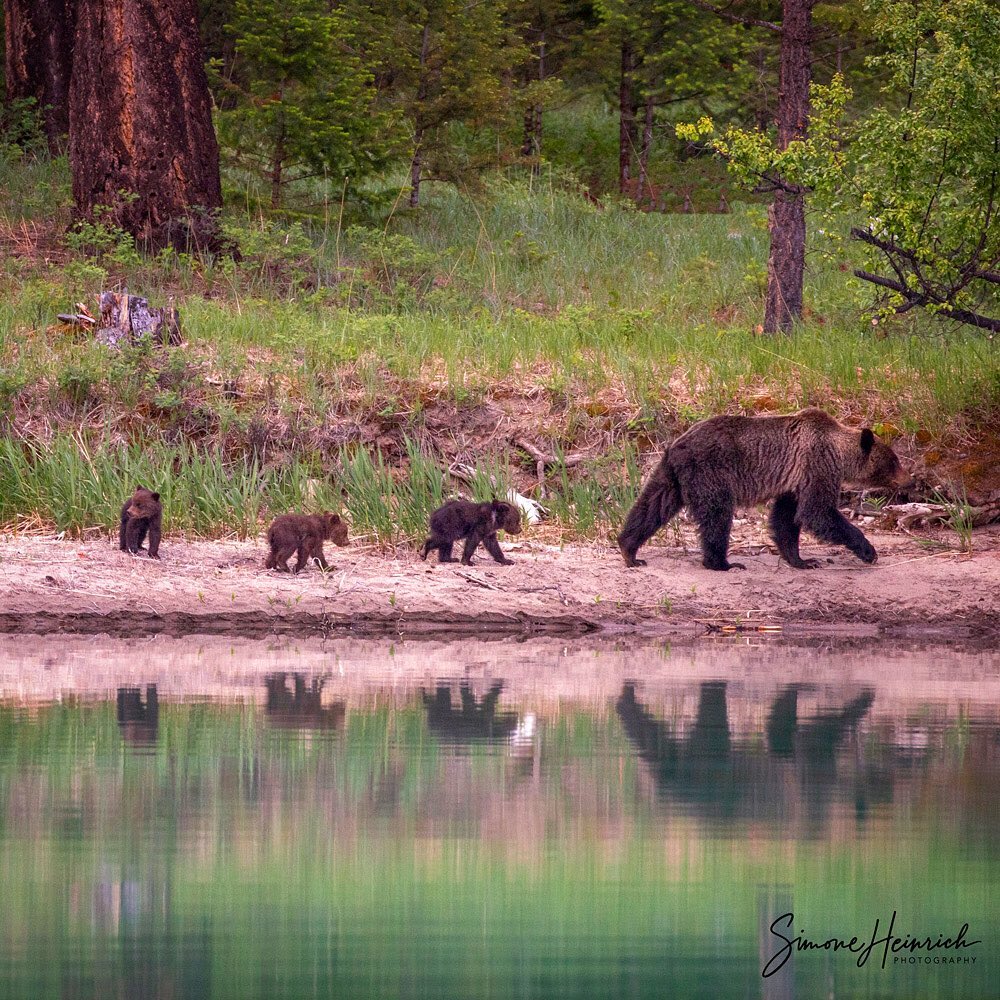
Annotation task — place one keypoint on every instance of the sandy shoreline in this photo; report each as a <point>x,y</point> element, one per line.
<point>219,587</point>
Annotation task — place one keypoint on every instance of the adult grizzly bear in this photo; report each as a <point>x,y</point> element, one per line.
<point>142,512</point>
<point>799,460</point>
<point>475,522</point>
<point>305,534</point>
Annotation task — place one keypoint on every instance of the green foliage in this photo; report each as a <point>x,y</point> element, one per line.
<point>926,173</point>
<point>301,100</point>
<point>815,163</point>
<point>21,128</point>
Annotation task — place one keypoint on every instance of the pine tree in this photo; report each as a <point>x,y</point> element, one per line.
<point>443,63</point>
<point>302,101</point>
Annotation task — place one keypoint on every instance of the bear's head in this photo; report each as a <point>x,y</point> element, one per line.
<point>144,503</point>
<point>506,517</point>
<point>879,465</point>
<point>336,529</point>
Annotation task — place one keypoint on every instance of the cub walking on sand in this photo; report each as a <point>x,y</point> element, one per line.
<point>799,460</point>
<point>475,522</point>
<point>142,512</point>
<point>304,534</point>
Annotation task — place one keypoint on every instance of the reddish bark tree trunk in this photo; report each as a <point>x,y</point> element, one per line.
<point>39,59</point>
<point>626,116</point>
<point>143,152</point>
<point>786,217</point>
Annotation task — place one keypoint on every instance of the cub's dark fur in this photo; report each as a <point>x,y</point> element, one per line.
<point>475,522</point>
<point>141,513</point>
<point>799,460</point>
<point>305,534</point>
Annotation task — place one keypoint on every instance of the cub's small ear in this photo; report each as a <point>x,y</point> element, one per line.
<point>140,487</point>
<point>333,518</point>
<point>156,496</point>
<point>867,441</point>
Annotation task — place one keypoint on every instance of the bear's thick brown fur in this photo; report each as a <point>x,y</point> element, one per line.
<point>799,460</point>
<point>304,534</point>
<point>141,513</point>
<point>475,522</point>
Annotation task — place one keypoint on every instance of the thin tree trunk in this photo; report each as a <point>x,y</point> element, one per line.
<point>536,167</point>
<point>647,142</point>
<point>276,167</point>
<point>626,115</point>
<point>786,217</point>
<point>532,144</point>
<point>416,164</point>
<point>39,59</point>
<point>143,152</point>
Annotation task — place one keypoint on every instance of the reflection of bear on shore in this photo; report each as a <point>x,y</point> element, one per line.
<point>799,461</point>
<point>300,707</point>
<point>138,722</point>
<point>700,767</point>
<point>469,720</point>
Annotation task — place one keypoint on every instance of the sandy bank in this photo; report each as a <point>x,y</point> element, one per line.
<point>55,585</point>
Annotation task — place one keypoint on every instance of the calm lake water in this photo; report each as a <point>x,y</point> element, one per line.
<point>206,818</point>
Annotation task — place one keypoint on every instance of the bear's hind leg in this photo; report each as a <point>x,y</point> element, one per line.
<point>785,530</point>
<point>281,557</point>
<point>658,502</point>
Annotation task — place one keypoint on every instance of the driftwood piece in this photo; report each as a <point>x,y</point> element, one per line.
<point>542,460</point>
<point>909,515</point>
<point>126,319</point>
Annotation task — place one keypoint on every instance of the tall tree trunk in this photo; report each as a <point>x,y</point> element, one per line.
<point>416,164</point>
<point>142,150</point>
<point>786,217</point>
<point>626,115</point>
<point>39,59</point>
<point>647,142</point>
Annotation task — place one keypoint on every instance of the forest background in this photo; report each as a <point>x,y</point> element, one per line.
<point>420,247</point>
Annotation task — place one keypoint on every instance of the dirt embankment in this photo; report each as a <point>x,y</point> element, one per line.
<point>51,585</point>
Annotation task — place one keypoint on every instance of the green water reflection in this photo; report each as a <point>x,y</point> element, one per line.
<point>457,838</point>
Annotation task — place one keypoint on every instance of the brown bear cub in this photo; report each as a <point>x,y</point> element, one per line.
<point>799,461</point>
<point>475,522</point>
<point>304,534</point>
<point>142,513</point>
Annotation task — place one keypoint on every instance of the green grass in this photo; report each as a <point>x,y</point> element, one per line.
<point>76,485</point>
<point>331,348</point>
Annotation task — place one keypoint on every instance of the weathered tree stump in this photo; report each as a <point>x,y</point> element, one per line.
<point>126,319</point>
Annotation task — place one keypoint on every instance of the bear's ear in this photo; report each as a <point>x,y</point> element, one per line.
<point>139,487</point>
<point>156,496</point>
<point>867,441</point>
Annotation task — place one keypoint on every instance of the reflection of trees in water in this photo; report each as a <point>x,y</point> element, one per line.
<point>133,909</point>
<point>470,720</point>
<point>137,720</point>
<point>301,705</point>
<point>726,781</point>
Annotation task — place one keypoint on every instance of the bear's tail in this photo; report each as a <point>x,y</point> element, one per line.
<point>658,502</point>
